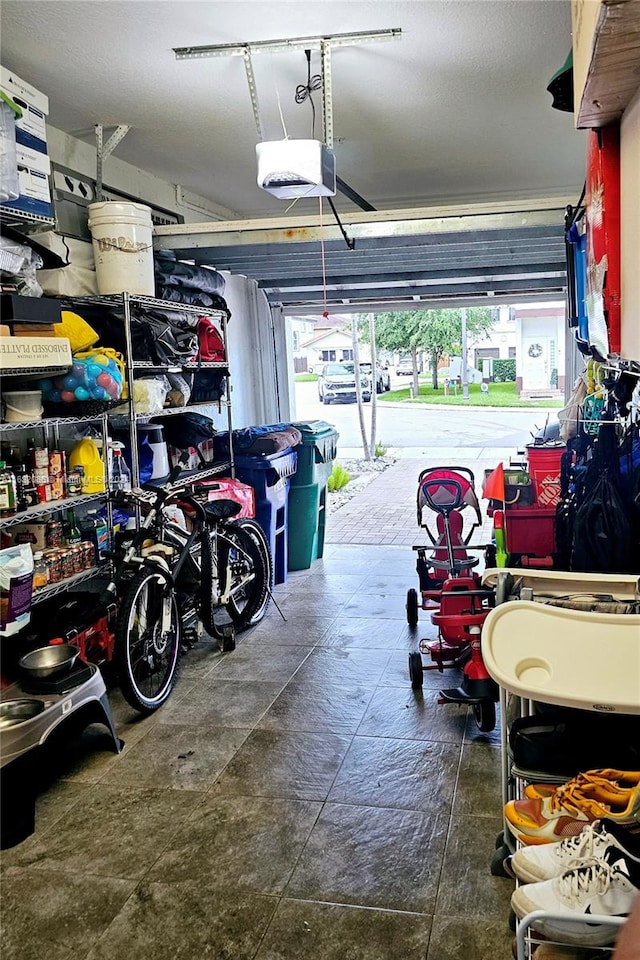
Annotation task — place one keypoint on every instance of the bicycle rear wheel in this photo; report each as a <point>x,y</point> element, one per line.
<point>147,655</point>
<point>243,550</point>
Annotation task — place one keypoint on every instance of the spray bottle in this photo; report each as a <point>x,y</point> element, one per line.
<point>120,478</point>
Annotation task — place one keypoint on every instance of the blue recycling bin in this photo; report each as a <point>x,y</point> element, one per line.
<point>269,476</point>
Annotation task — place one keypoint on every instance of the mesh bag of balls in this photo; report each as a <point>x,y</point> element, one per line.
<point>96,379</point>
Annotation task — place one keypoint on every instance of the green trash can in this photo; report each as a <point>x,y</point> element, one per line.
<point>308,492</point>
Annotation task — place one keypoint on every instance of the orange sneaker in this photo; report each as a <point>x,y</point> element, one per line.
<point>566,812</point>
<point>623,779</point>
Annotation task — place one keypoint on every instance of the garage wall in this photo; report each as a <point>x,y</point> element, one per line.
<point>258,356</point>
<point>262,384</point>
<point>630,228</point>
<point>80,156</point>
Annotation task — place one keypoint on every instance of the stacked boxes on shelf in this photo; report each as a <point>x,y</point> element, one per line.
<point>34,166</point>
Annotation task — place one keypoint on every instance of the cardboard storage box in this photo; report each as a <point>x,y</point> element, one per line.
<point>22,353</point>
<point>35,194</point>
<point>32,159</point>
<point>31,128</point>
<point>15,87</point>
<point>33,329</point>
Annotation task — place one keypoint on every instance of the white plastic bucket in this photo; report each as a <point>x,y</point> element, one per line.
<point>122,247</point>
<point>22,405</point>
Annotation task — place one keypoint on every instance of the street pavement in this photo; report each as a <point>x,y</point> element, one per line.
<point>384,511</point>
<point>414,431</point>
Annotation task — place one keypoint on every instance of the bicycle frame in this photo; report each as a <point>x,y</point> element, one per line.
<point>183,542</point>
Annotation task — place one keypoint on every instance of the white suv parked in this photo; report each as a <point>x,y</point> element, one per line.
<point>383,377</point>
<point>336,382</point>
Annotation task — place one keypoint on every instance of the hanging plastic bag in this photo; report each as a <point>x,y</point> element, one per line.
<point>571,415</point>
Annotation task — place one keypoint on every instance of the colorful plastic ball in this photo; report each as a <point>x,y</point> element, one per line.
<point>78,371</point>
<point>69,382</point>
<point>46,386</point>
<point>101,360</point>
<point>59,383</point>
<point>54,396</point>
<point>99,393</point>
<point>114,391</point>
<point>105,380</point>
<point>81,393</point>
<point>68,396</point>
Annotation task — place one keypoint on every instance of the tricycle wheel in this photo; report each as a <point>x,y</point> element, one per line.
<point>416,671</point>
<point>412,607</point>
<point>484,714</point>
<point>498,868</point>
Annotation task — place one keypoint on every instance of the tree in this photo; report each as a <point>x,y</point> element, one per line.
<point>436,332</point>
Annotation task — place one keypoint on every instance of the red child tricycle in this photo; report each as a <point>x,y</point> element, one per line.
<point>454,594</point>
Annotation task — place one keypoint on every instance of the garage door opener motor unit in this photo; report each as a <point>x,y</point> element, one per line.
<point>296,168</point>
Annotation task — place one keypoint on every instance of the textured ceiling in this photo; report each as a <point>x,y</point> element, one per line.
<point>456,109</point>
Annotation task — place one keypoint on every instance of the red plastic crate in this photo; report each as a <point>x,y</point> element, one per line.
<point>531,530</point>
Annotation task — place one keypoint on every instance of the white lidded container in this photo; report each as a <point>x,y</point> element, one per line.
<point>21,405</point>
<point>155,437</point>
<point>121,234</point>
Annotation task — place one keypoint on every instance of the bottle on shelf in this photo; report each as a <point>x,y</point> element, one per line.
<point>72,535</point>
<point>38,456</point>
<point>120,478</point>
<point>40,571</point>
<point>86,454</point>
<point>8,491</point>
<point>26,488</point>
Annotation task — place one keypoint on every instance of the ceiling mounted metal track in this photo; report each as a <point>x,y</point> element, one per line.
<point>292,43</point>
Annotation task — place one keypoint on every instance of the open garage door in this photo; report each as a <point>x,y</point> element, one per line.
<point>413,259</point>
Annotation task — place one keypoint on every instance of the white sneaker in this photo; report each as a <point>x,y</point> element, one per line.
<point>546,861</point>
<point>599,887</point>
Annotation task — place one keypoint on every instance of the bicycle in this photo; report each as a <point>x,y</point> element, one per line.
<point>171,581</point>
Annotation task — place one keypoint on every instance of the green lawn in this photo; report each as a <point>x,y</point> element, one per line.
<point>499,395</point>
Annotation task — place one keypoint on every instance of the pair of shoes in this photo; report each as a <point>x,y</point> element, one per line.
<point>599,888</point>
<point>545,861</point>
<point>559,951</point>
<point>622,779</point>
<point>565,812</point>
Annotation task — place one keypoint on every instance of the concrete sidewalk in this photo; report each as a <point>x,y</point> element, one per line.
<point>384,511</point>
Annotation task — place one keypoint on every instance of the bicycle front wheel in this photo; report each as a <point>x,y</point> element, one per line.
<point>243,554</point>
<point>147,642</point>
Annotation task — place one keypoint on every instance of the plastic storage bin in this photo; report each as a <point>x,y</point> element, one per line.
<point>308,495</point>
<point>269,476</point>
<point>531,531</point>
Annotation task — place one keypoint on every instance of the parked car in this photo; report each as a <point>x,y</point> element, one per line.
<point>383,377</point>
<point>404,368</point>
<point>336,382</point>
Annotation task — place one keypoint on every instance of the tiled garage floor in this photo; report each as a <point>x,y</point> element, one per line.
<point>294,800</point>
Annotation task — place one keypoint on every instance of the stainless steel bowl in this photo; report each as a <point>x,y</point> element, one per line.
<point>13,712</point>
<point>46,662</point>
